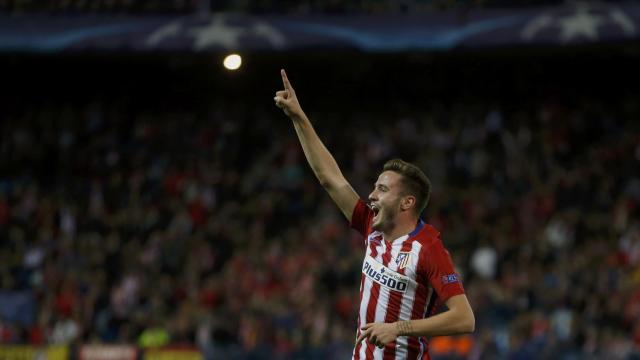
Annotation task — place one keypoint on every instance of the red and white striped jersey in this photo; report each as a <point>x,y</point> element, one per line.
<point>403,279</point>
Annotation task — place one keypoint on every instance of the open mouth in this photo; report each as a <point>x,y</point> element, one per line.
<point>375,209</point>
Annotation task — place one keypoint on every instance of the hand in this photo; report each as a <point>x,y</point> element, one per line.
<point>286,99</point>
<point>379,334</point>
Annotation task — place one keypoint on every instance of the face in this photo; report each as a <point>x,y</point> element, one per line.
<point>385,200</point>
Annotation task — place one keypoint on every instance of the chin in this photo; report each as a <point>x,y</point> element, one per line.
<point>377,226</point>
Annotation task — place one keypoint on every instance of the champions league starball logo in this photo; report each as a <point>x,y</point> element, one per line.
<point>216,31</point>
<point>579,23</point>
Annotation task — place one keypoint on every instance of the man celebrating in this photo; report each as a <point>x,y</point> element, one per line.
<point>406,272</point>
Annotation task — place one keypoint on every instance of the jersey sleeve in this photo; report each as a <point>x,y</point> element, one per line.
<point>441,272</point>
<point>361,218</point>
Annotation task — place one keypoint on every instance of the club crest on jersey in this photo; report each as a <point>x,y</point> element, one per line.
<point>403,259</point>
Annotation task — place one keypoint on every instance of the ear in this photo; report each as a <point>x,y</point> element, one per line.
<point>407,202</point>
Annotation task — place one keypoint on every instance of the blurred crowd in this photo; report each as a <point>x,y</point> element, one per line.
<point>257,6</point>
<point>120,224</point>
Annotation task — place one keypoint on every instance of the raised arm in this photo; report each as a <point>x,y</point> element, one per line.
<point>322,163</point>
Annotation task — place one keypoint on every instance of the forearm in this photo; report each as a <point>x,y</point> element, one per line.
<point>320,160</point>
<point>446,323</point>
<point>322,163</point>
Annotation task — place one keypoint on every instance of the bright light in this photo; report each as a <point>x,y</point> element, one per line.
<point>232,62</point>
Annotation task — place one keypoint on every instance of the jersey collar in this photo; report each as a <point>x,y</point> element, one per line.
<point>415,231</point>
<point>418,228</point>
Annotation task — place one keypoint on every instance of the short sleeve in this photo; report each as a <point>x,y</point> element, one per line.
<point>441,272</point>
<point>361,218</point>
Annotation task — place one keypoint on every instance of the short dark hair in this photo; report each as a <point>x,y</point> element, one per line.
<point>414,181</point>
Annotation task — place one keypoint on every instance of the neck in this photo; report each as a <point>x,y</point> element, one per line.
<point>401,227</point>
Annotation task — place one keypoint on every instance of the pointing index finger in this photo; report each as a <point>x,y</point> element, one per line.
<point>285,80</point>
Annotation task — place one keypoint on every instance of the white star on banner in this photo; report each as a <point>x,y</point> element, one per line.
<point>217,33</point>
<point>582,23</point>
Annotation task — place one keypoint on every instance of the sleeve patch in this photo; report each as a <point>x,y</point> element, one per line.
<point>450,279</point>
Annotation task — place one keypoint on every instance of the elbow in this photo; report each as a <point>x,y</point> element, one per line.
<point>323,179</point>
<point>324,182</point>
<point>329,183</point>
<point>462,314</point>
<point>469,324</point>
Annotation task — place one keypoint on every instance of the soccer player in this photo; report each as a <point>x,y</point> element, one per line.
<point>406,272</point>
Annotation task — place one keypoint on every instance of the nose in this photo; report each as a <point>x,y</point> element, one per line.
<point>373,196</point>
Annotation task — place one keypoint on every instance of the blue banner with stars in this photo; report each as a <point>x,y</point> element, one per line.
<point>576,23</point>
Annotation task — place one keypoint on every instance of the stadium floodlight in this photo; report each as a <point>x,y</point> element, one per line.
<point>232,62</point>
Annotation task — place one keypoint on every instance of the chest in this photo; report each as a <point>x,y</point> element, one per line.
<point>400,256</point>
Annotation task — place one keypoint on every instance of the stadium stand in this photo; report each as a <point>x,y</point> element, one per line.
<point>137,223</point>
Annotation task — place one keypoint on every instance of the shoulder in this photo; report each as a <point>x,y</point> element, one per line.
<point>432,251</point>
<point>429,236</point>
